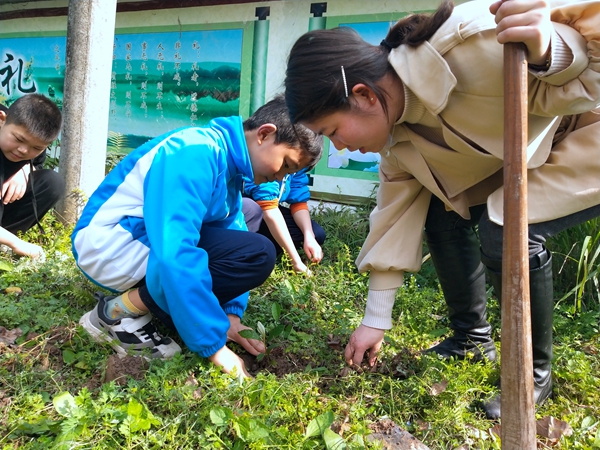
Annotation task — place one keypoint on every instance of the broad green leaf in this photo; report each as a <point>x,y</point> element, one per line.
<point>5,266</point>
<point>287,331</point>
<point>251,430</point>
<point>239,444</point>
<point>140,417</point>
<point>333,441</point>
<point>276,311</point>
<point>250,334</point>
<point>64,404</point>
<point>319,424</point>
<point>596,443</point>
<point>277,331</point>
<point>220,416</point>
<point>68,356</point>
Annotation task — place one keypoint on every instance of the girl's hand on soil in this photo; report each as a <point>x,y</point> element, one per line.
<point>364,338</point>
<point>526,21</point>
<point>230,362</point>
<point>252,346</point>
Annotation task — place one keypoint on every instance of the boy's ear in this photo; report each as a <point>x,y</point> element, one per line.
<point>2,117</point>
<point>265,130</point>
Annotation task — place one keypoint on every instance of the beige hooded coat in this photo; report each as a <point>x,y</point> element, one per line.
<point>455,87</point>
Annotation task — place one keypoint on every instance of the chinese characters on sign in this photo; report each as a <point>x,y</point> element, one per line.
<point>14,67</point>
<point>165,80</point>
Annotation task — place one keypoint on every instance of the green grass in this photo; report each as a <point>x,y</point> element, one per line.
<point>52,395</point>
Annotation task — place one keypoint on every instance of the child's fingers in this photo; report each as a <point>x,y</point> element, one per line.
<point>252,346</point>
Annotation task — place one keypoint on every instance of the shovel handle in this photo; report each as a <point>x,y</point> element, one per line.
<point>517,402</point>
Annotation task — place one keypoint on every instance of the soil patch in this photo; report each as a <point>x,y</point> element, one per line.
<point>277,362</point>
<point>120,369</point>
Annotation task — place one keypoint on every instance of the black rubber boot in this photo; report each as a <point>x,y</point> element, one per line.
<point>457,261</point>
<point>542,307</point>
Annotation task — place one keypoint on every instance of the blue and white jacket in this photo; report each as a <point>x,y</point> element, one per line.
<point>145,220</point>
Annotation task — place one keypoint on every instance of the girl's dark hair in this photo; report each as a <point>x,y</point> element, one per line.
<point>37,114</point>
<point>314,83</point>
<point>295,136</point>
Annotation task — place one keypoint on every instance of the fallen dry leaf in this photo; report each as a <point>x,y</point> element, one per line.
<point>552,428</point>
<point>438,388</point>
<point>13,290</point>
<point>422,425</point>
<point>495,430</point>
<point>334,342</point>
<point>9,337</point>
<point>345,372</point>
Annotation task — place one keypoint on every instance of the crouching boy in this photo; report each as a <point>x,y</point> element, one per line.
<point>29,191</point>
<point>165,232</point>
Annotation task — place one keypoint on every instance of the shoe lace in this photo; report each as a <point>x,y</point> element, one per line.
<point>150,330</point>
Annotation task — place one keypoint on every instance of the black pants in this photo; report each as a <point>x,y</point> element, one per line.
<point>256,224</point>
<point>48,187</point>
<point>490,234</point>
<point>237,260</point>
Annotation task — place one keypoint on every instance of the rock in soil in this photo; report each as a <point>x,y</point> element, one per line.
<point>393,437</point>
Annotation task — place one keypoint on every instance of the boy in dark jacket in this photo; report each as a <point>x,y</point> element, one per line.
<point>27,127</point>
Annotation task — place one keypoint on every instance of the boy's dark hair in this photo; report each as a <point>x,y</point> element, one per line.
<point>314,83</point>
<point>37,114</point>
<point>296,136</point>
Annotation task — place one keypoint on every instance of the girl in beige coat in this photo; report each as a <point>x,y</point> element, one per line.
<point>429,98</point>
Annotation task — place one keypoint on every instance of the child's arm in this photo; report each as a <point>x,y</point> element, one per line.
<point>19,246</point>
<point>278,228</point>
<point>311,246</point>
<point>14,188</point>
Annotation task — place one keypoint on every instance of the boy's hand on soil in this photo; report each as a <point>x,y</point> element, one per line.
<point>252,346</point>
<point>364,338</point>
<point>312,249</point>
<point>300,267</point>
<point>23,248</point>
<point>229,362</point>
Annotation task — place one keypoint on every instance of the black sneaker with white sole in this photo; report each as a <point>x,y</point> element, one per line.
<point>128,336</point>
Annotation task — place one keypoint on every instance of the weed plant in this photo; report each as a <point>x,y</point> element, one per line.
<point>52,394</point>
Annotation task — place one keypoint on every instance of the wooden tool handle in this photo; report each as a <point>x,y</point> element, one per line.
<point>517,406</point>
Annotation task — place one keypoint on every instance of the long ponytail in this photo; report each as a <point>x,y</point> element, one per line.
<point>415,29</point>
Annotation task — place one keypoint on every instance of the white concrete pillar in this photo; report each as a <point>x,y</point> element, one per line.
<point>90,40</point>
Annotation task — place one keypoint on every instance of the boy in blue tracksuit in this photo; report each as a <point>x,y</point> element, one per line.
<point>288,228</point>
<point>165,232</point>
